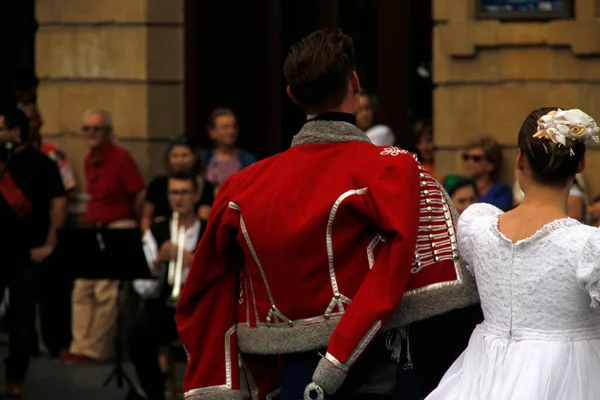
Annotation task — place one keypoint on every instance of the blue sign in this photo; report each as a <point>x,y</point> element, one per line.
<point>523,8</point>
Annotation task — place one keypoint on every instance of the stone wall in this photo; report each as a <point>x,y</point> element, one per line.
<point>491,74</point>
<point>125,56</point>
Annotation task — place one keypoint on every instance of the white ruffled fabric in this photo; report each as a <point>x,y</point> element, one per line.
<point>494,368</point>
<point>541,335</point>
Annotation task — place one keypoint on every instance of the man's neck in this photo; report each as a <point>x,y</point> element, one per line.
<point>345,108</point>
<point>334,116</point>
<point>187,220</point>
<point>96,151</point>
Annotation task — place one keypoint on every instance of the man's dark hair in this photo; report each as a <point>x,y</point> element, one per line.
<point>319,68</point>
<point>15,118</point>
<point>186,177</point>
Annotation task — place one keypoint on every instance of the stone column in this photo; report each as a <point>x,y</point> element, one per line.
<point>491,74</point>
<point>125,56</point>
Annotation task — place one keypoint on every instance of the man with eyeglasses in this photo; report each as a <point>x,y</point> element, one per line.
<point>155,325</point>
<point>32,208</point>
<point>116,188</point>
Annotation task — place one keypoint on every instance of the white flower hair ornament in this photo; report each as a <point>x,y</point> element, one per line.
<point>567,127</point>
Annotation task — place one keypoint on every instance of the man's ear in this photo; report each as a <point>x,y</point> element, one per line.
<point>291,95</point>
<point>355,83</point>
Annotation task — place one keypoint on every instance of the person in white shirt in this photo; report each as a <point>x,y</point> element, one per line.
<point>155,325</point>
<point>380,135</point>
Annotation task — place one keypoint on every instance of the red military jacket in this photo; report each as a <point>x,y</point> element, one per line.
<point>311,248</point>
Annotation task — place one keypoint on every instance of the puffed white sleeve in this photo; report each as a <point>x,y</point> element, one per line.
<point>466,231</point>
<point>588,268</point>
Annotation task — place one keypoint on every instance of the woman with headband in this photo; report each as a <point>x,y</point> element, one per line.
<point>538,275</point>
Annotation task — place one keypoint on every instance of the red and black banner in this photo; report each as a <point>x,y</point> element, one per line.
<point>13,194</point>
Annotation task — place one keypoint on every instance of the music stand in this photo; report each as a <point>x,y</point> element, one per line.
<point>115,254</point>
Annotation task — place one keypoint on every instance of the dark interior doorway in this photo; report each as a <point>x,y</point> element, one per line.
<point>17,41</point>
<point>235,52</point>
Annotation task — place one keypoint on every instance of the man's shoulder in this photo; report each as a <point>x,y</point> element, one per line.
<point>35,156</point>
<point>120,151</point>
<point>363,155</point>
<point>261,165</point>
<point>161,225</point>
<point>386,157</point>
<point>247,176</point>
<point>52,151</point>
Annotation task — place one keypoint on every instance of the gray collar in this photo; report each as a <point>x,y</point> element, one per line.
<point>329,132</point>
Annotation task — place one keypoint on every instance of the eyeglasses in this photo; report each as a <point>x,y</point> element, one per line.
<point>185,192</point>
<point>95,128</point>
<point>474,157</point>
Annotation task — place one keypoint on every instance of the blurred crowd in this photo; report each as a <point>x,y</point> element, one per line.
<point>76,320</point>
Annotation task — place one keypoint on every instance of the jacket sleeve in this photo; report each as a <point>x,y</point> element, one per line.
<point>392,203</point>
<point>206,312</point>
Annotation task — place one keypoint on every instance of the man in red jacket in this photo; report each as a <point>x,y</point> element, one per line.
<point>298,280</point>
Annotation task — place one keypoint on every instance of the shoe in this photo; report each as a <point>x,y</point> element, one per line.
<point>71,358</point>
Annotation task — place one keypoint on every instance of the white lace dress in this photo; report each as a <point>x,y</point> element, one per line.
<point>541,336</point>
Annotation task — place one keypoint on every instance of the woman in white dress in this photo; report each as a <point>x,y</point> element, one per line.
<point>538,274</point>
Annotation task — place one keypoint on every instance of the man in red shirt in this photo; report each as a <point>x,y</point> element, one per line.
<point>315,259</point>
<point>116,189</point>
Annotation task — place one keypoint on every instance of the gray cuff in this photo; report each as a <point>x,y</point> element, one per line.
<point>328,376</point>
<point>217,395</point>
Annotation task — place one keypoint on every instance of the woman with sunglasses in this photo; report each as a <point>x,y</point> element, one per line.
<point>483,159</point>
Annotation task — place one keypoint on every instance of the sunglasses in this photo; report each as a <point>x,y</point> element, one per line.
<point>474,157</point>
<point>95,128</point>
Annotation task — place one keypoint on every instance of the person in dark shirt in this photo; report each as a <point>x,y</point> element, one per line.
<point>180,159</point>
<point>32,207</point>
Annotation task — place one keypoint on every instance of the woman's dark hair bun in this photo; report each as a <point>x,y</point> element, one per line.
<point>552,163</point>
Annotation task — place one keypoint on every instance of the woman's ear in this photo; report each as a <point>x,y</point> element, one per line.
<point>581,166</point>
<point>519,160</point>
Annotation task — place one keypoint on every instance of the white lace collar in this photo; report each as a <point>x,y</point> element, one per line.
<point>547,229</point>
